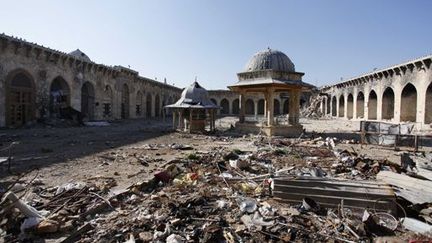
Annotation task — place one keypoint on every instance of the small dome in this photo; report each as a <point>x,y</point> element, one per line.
<point>270,60</point>
<point>80,55</point>
<point>195,94</point>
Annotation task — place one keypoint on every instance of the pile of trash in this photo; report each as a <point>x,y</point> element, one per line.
<point>228,196</point>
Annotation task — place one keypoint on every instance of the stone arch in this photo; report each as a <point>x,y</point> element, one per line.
<point>107,101</point>
<point>214,101</point>
<point>428,105</point>
<point>236,106</point>
<point>149,105</point>
<point>60,96</point>
<point>408,103</point>
<point>139,104</point>
<point>157,105</point>
<point>387,108</point>
<point>341,106</point>
<point>327,104</point>
<point>224,106</point>
<point>276,107</point>
<point>334,105</point>
<point>20,98</point>
<point>125,102</point>
<point>88,101</point>
<point>372,105</point>
<point>350,106</point>
<point>250,109</point>
<point>303,102</point>
<point>360,105</point>
<point>261,105</point>
<point>286,106</point>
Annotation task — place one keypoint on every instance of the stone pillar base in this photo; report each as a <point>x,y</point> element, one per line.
<point>275,130</point>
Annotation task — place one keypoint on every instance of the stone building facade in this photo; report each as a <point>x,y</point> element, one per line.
<point>36,82</point>
<point>400,93</point>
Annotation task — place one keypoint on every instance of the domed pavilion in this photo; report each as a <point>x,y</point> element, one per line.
<point>271,72</point>
<point>194,111</point>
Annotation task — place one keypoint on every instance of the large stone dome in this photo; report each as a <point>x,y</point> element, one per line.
<point>270,60</point>
<point>80,55</point>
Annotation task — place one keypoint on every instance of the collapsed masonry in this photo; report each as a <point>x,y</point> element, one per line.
<point>322,193</point>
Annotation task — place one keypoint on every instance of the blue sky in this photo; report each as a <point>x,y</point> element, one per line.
<point>213,40</point>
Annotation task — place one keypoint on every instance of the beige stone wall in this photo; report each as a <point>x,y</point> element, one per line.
<point>43,65</point>
<point>395,101</point>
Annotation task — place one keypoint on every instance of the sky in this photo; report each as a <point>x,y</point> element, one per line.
<point>328,40</point>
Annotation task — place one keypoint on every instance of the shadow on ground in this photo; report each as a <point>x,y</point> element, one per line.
<point>41,147</point>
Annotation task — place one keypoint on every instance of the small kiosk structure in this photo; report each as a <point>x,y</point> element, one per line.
<point>194,111</point>
<point>271,72</point>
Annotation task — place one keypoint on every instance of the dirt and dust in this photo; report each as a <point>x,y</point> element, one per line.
<point>139,179</point>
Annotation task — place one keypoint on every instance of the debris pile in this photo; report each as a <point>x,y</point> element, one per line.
<point>283,190</point>
<point>313,110</point>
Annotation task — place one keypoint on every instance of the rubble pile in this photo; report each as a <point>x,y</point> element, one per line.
<point>313,110</point>
<point>228,196</point>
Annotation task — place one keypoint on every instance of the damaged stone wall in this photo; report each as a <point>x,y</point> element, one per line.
<point>43,65</point>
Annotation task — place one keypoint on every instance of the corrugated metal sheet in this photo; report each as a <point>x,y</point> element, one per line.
<point>330,193</point>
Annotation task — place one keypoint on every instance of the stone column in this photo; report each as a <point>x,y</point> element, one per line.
<point>379,103</point>
<point>337,106</point>
<point>294,107</point>
<point>181,120</point>
<point>321,107</point>
<point>421,108</point>
<point>345,97</point>
<point>153,107</point>
<point>366,103</point>
<point>255,108</point>
<point>269,106</point>
<point>398,95</point>
<point>242,107</point>
<point>190,119</point>
<point>280,106</point>
<point>331,106</point>
<point>354,104</point>
<point>174,120</point>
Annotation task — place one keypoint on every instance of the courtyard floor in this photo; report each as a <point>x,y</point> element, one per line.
<point>130,152</point>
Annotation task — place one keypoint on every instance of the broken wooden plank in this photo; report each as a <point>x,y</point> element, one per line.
<point>414,190</point>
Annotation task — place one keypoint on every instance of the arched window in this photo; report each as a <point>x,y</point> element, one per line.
<point>250,109</point>
<point>409,103</point>
<point>235,107</point>
<point>341,106</point>
<point>350,106</point>
<point>372,106</point>
<point>20,99</point>
<point>387,108</point>
<point>88,101</point>
<point>225,107</point>
<point>360,105</point>
<point>125,102</point>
